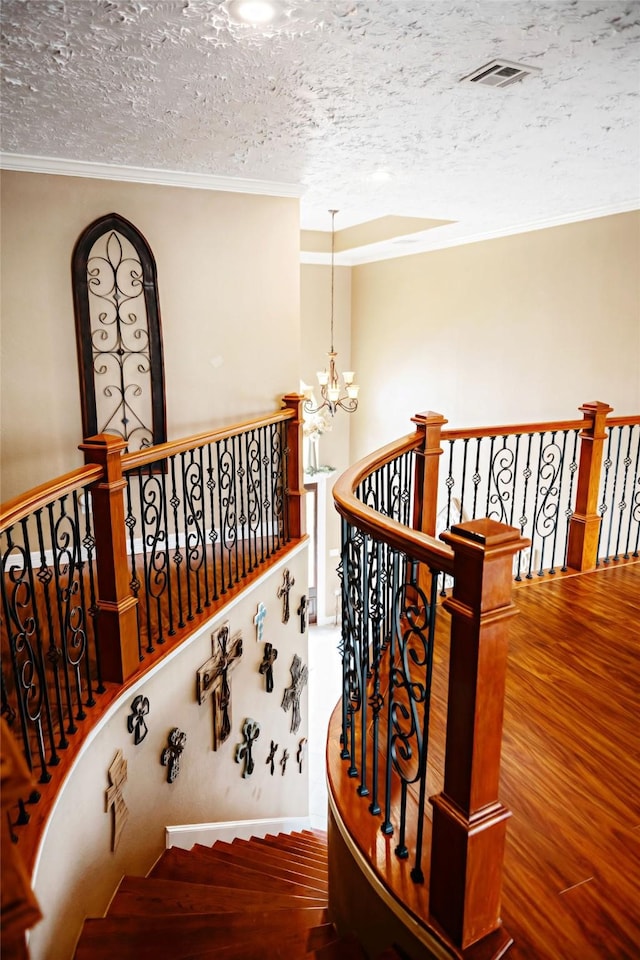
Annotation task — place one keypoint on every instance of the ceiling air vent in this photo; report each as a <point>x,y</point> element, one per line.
<point>500,73</point>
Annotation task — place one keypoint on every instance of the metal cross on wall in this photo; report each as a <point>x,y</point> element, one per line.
<point>302,613</point>
<point>213,680</point>
<point>283,593</point>
<point>250,732</point>
<point>272,756</point>
<point>292,694</point>
<point>115,800</point>
<point>266,667</point>
<point>172,753</point>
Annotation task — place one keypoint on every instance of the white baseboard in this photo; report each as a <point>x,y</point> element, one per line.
<point>186,834</point>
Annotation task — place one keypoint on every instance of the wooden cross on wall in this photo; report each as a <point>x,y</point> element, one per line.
<point>213,680</point>
<point>114,798</point>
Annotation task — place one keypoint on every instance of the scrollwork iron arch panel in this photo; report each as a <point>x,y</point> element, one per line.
<point>118,334</point>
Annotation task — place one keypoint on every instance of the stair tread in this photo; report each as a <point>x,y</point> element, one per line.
<point>278,863</point>
<point>134,937</point>
<point>279,857</point>
<point>232,858</point>
<point>176,864</point>
<point>154,895</point>
<point>296,849</point>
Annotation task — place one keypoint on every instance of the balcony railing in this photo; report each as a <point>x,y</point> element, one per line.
<point>105,568</point>
<point>566,493</point>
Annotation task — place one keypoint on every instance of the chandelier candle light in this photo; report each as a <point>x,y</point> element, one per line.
<point>333,395</point>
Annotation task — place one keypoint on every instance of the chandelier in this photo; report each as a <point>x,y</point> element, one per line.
<point>334,394</point>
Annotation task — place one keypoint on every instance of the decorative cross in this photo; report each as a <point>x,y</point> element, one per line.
<point>292,694</point>
<point>272,756</point>
<point>266,667</point>
<point>301,752</point>
<point>283,760</point>
<point>259,621</point>
<point>136,722</point>
<point>302,613</point>
<point>114,799</point>
<point>172,753</point>
<point>214,681</point>
<point>250,732</point>
<point>283,593</point>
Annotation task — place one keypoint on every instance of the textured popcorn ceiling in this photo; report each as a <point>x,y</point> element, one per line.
<point>337,93</point>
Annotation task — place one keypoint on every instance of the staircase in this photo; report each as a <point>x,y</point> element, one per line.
<point>258,899</point>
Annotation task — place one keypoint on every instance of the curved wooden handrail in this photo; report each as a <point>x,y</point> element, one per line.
<point>38,497</point>
<point>418,546</point>
<point>141,458</point>
<point>518,429</point>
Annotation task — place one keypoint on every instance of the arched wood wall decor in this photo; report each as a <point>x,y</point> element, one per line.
<point>118,333</point>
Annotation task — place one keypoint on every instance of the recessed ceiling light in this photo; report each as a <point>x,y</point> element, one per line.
<point>252,11</point>
<point>380,175</point>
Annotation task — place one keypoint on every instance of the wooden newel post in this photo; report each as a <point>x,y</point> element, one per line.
<point>584,527</point>
<point>469,822</point>
<point>296,515</point>
<point>425,511</point>
<point>117,615</point>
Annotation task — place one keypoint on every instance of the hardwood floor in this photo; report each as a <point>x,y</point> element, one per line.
<point>570,771</point>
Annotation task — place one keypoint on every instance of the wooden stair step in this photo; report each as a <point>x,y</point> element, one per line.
<point>130,938</point>
<point>151,895</point>
<point>294,849</point>
<point>177,864</point>
<point>283,858</point>
<point>295,843</point>
<point>226,854</point>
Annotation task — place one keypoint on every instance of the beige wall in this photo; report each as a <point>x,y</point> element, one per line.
<point>228,276</point>
<point>523,328</point>
<point>77,872</point>
<point>315,319</point>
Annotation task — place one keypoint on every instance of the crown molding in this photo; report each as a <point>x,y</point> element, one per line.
<point>165,178</point>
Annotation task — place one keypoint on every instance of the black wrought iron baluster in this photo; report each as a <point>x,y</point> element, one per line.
<point>622,506</point>
<point>634,512</point>
<point>352,602</point>
<point>177,554</point>
<point>134,580</point>
<point>524,520</point>
<point>476,478</point>
<point>26,651</point>
<point>155,551</point>
<point>387,826</point>
<point>417,874</point>
<point>604,505</point>
<point>241,474</point>
<point>169,575</point>
<point>558,495</point>
<point>376,699</point>
<point>90,702</point>
<point>253,498</point>
<point>549,469</point>
<point>89,543</point>
<point>74,633</point>
<point>277,460</point>
<point>213,531</point>
<point>449,483</point>
<point>463,488</point>
<point>568,510</point>
<point>226,573</point>
<point>343,573</point>
<point>60,626</point>
<point>490,473</point>
<point>205,557</point>
<point>614,494</point>
<point>263,494</point>
<point>501,481</point>
<point>53,654</point>
<point>283,495</point>
<point>193,500</point>
<point>145,564</point>
<point>363,660</point>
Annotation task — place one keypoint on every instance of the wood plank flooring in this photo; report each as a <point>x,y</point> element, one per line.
<point>570,771</point>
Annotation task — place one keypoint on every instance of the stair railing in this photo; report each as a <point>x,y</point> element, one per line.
<point>391,566</point>
<point>101,566</point>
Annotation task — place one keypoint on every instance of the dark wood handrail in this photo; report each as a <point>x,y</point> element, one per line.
<point>38,497</point>
<point>418,546</point>
<point>141,458</point>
